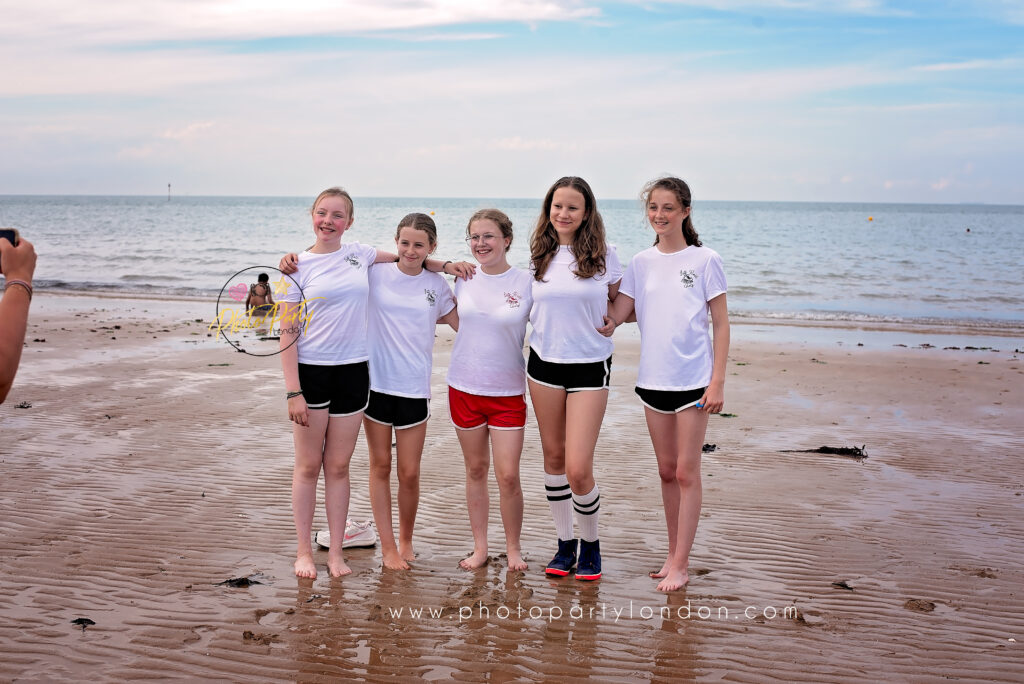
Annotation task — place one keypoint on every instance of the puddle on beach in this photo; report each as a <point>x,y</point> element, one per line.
<point>931,341</point>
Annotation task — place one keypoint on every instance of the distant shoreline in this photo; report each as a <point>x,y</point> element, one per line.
<point>535,200</point>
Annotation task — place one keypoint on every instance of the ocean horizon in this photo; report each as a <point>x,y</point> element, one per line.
<point>929,264</point>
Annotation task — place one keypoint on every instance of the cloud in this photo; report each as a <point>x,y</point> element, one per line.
<point>973,65</point>
<point>518,144</point>
<point>864,7</point>
<point>442,37</point>
<point>189,132</point>
<point>131,22</point>
<point>428,101</point>
<point>138,152</point>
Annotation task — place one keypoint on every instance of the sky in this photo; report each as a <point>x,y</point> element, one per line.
<point>778,100</point>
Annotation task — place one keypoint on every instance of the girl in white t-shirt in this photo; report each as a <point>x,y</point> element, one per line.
<point>324,359</point>
<point>672,287</point>
<point>406,302</point>
<point>487,381</point>
<point>576,273</point>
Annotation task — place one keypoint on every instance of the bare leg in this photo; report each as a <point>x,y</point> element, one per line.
<point>549,409</point>
<point>378,442</point>
<point>410,451</point>
<point>662,427</point>
<point>309,455</point>
<point>339,444</point>
<point>584,412</point>
<point>507,446</point>
<point>691,426</point>
<point>476,453</point>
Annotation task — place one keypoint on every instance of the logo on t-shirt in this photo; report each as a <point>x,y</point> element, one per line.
<point>353,261</point>
<point>431,296</point>
<point>513,299</point>
<point>687,278</point>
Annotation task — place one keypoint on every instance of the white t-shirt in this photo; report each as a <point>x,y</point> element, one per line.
<point>403,313</point>
<point>567,311</point>
<point>487,358</point>
<point>335,331</point>
<point>672,292</point>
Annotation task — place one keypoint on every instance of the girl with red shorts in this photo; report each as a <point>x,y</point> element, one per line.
<point>487,381</point>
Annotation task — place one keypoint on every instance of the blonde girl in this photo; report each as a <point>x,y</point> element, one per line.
<point>324,359</point>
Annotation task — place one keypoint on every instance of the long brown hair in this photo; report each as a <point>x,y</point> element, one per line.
<point>679,188</point>
<point>588,243</point>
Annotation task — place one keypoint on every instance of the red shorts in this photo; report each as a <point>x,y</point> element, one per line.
<point>470,411</point>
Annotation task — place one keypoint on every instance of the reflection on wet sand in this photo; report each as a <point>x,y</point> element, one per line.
<point>128,508</point>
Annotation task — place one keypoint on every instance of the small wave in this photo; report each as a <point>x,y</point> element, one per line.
<point>143,289</point>
<point>998,299</point>
<point>753,292</point>
<point>1008,326</point>
<point>134,278</point>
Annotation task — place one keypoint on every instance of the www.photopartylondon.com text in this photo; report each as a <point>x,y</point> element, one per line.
<point>596,612</point>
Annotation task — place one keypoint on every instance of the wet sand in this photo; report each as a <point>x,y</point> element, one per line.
<point>155,462</point>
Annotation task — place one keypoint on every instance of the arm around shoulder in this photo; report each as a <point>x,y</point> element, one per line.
<point>451,318</point>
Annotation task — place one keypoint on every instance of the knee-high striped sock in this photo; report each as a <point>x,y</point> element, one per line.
<point>560,500</point>
<point>587,507</point>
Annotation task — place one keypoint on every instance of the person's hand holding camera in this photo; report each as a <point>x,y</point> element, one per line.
<point>17,257</point>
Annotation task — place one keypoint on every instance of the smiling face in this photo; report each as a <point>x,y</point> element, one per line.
<point>414,246</point>
<point>567,213</point>
<point>332,216</point>
<point>666,213</point>
<point>487,242</point>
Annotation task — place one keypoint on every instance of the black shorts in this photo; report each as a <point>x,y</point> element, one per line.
<point>341,390</point>
<point>402,412</point>
<point>572,377</point>
<point>668,401</point>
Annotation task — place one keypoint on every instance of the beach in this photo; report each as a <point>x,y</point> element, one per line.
<point>145,462</point>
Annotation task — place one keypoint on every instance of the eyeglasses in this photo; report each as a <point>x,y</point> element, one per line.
<point>474,239</point>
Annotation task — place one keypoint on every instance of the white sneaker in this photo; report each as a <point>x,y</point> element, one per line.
<point>356,535</point>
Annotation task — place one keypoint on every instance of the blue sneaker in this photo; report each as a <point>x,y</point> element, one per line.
<point>589,567</point>
<point>563,562</point>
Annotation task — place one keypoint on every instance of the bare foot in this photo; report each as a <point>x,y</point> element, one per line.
<point>674,579</point>
<point>515,561</point>
<point>394,561</point>
<point>660,573</point>
<point>477,560</point>
<point>305,567</point>
<point>405,551</point>
<point>337,566</point>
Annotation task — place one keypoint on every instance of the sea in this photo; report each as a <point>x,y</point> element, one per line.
<point>911,264</point>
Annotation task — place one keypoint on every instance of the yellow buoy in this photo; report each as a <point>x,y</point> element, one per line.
<point>431,213</point>
<point>871,218</point>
